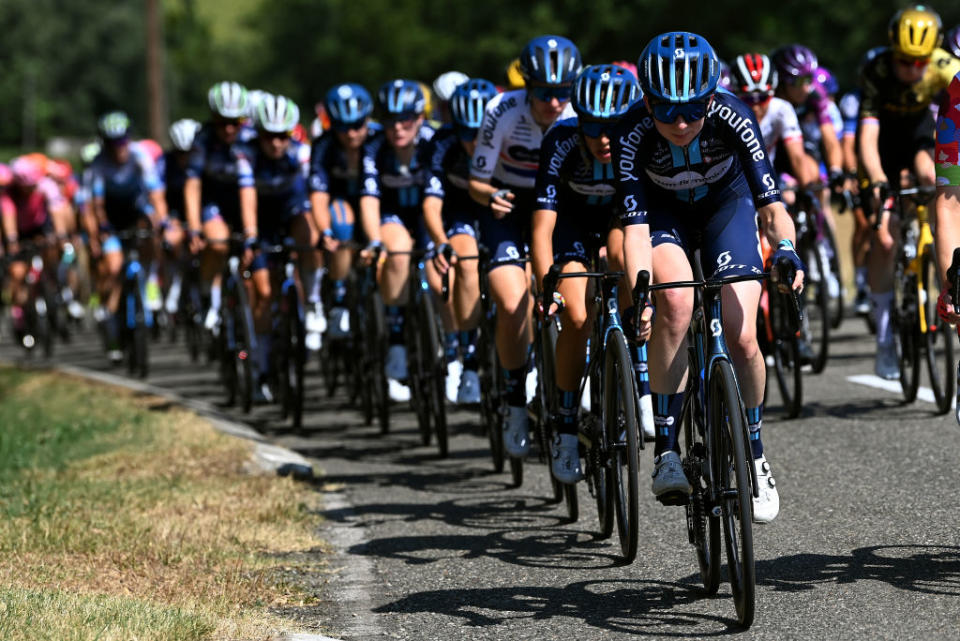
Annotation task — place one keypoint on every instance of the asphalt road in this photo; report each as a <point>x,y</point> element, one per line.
<point>867,544</point>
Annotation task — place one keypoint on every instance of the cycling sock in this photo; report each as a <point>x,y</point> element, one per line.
<point>311,283</point>
<point>567,413</point>
<point>861,278</point>
<point>514,381</point>
<point>339,292</point>
<point>881,309</point>
<point>451,343</point>
<point>215,296</point>
<point>666,417</point>
<point>263,354</point>
<point>395,318</point>
<point>468,350</point>
<point>642,375</point>
<point>754,422</point>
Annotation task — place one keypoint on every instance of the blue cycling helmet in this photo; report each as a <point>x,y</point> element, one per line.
<point>678,66</point>
<point>604,92</point>
<point>348,103</point>
<point>469,101</point>
<point>550,60</point>
<point>401,98</point>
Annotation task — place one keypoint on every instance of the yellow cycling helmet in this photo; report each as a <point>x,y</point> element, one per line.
<point>916,31</point>
<point>514,76</point>
<point>427,100</point>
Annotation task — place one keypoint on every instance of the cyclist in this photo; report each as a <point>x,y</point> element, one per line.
<point>693,174</point>
<point>172,169</point>
<point>335,179</point>
<point>450,216</point>
<point>274,204</point>
<point>210,195</point>
<point>394,176</point>
<point>502,177</point>
<point>125,192</point>
<point>443,88</point>
<point>896,134</point>
<point>947,208</point>
<point>574,217</point>
<point>33,210</point>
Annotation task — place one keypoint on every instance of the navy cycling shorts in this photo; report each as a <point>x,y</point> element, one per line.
<point>507,237</point>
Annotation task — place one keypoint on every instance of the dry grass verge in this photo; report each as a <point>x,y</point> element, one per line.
<point>123,518</point>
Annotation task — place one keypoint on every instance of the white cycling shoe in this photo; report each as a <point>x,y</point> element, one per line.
<point>766,506</point>
<point>516,432</point>
<point>454,372</point>
<point>565,450</point>
<point>316,324</point>
<point>397,391</point>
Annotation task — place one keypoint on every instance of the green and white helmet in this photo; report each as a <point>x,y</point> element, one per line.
<point>228,99</point>
<point>276,114</point>
<point>113,125</point>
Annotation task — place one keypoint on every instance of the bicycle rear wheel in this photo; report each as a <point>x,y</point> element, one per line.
<point>828,245</point>
<point>435,371</point>
<point>786,358</point>
<point>490,395</point>
<point>816,306</point>
<point>906,316</point>
<point>296,350</point>
<point>734,487</point>
<point>938,339</point>
<point>620,425</point>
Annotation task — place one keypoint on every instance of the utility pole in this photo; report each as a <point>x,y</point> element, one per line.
<point>156,95</point>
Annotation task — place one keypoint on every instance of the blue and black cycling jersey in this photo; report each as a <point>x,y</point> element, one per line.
<point>281,186</point>
<point>174,177</point>
<point>448,178</point>
<point>398,186</point>
<point>215,164</point>
<point>330,171</point>
<point>692,180</point>
<point>124,187</point>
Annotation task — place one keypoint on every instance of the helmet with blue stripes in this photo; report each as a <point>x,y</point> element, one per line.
<point>550,60</point>
<point>469,100</point>
<point>348,103</point>
<point>678,66</point>
<point>401,98</point>
<point>604,92</point>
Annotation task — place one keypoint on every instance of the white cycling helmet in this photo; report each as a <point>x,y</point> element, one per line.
<point>446,84</point>
<point>277,114</point>
<point>254,96</point>
<point>182,133</point>
<point>228,99</point>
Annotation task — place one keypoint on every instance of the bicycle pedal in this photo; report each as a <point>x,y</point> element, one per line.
<point>674,498</point>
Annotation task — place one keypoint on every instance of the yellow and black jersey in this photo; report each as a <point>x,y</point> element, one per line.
<point>883,96</point>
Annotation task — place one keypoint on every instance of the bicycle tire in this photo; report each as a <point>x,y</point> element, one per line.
<point>417,373</point>
<point>786,359</point>
<point>829,242</point>
<point>490,396</point>
<point>516,471</point>
<point>377,341</point>
<point>435,371</point>
<point>620,425</point>
<point>296,348</point>
<point>938,339</point>
<point>546,388</point>
<point>816,305</point>
<point>703,528</point>
<point>243,352</point>
<point>906,316</point>
<point>730,460</point>
<point>600,478</point>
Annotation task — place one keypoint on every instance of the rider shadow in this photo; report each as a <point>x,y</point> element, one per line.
<point>616,606</point>
<point>928,569</point>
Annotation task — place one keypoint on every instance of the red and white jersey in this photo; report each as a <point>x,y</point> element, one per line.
<point>779,123</point>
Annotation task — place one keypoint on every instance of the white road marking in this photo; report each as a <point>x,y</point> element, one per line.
<point>923,393</point>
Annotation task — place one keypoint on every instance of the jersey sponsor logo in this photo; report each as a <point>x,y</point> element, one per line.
<point>492,118</point>
<point>723,258</point>
<point>769,182</point>
<point>630,203</point>
<point>524,154</point>
<point>715,328</point>
<point>742,126</point>
<point>593,190</point>
<point>691,179</point>
<point>629,144</point>
<point>561,151</point>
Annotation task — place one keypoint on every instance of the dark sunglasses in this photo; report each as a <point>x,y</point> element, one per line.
<point>549,92</point>
<point>755,98</point>
<point>595,128</point>
<point>405,118</point>
<point>916,63</point>
<point>797,81</point>
<point>668,112</point>
<point>344,127</point>
<point>467,134</point>
<point>275,135</point>
<point>227,122</point>
<point>117,142</point>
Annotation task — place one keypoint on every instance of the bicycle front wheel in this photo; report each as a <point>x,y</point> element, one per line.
<point>816,305</point>
<point>938,339</point>
<point>733,486</point>
<point>620,425</point>
<point>906,315</point>
<point>786,359</point>
<point>434,369</point>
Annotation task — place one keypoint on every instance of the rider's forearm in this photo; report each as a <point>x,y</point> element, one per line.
<point>637,251</point>
<point>191,203</point>
<point>320,206</point>
<point>803,170</point>
<point>777,224</point>
<point>832,151</point>
<point>541,243</point>
<point>870,152</point>
<point>946,227</point>
<point>159,204</point>
<point>433,219</point>
<point>481,190</point>
<point>248,211</point>
<point>370,217</point>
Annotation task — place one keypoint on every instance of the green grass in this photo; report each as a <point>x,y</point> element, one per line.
<point>120,516</point>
